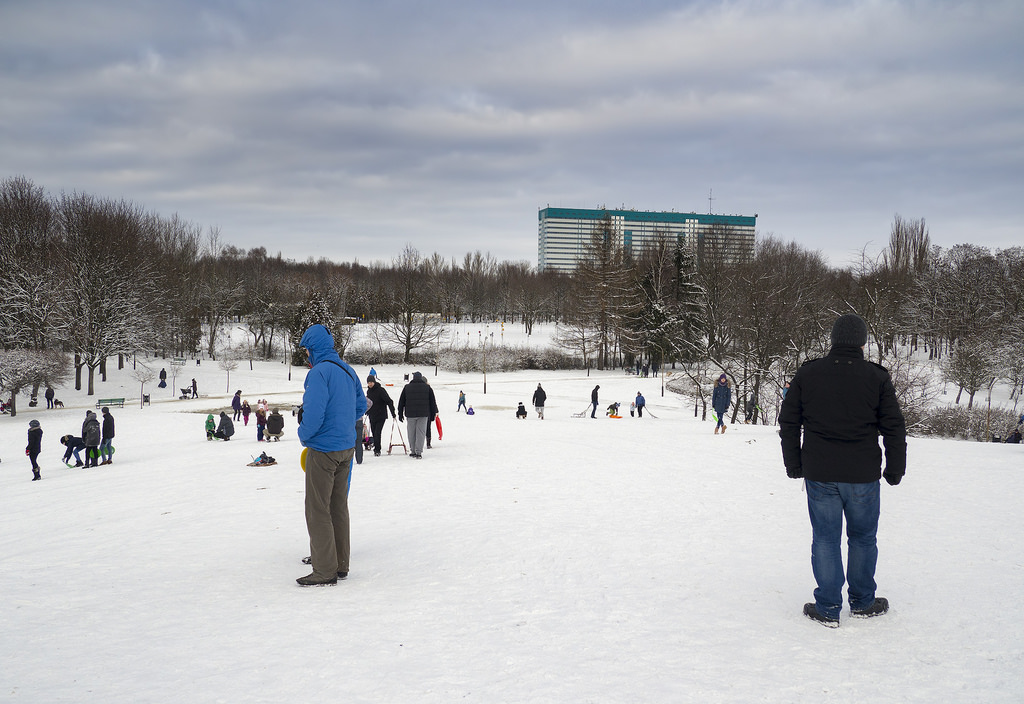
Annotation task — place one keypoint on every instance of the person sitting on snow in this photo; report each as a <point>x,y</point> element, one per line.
<point>613,409</point>
<point>226,428</point>
<point>275,426</point>
<point>521,411</point>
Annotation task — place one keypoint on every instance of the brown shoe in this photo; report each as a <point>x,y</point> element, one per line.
<point>716,430</point>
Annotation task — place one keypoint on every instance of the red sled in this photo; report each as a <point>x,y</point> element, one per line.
<point>437,424</point>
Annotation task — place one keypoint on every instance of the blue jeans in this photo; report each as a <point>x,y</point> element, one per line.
<point>106,449</point>
<point>827,504</point>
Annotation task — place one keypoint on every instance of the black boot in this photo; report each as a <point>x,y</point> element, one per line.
<point>35,475</point>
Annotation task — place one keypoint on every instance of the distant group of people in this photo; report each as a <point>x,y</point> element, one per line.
<point>269,423</point>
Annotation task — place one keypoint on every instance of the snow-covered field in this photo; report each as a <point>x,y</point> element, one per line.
<point>564,560</point>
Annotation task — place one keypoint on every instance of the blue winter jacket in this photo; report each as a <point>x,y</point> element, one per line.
<point>333,397</point>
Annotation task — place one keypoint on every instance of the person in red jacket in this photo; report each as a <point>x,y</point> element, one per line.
<point>832,416</point>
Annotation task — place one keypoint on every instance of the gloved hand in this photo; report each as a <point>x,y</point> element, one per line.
<point>400,418</point>
<point>795,472</point>
<point>392,416</point>
<point>892,478</point>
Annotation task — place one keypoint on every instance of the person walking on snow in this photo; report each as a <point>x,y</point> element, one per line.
<point>380,404</point>
<point>417,403</point>
<point>539,397</point>
<point>640,403</point>
<point>462,401</point>
<point>332,401</point>
<point>593,400</point>
<point>236,406</point>
<point>107,443</point>
<point>830,422</point>
<point>35,446</point>
<point>720,399</point>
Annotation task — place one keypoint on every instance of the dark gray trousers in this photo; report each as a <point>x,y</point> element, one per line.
<point>327,482</point>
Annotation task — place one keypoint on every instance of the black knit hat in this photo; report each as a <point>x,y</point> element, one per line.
<point>850,329</point>
<point>371,379</point>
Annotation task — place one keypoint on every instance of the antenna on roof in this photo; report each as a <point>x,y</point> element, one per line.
<point>709,201</point>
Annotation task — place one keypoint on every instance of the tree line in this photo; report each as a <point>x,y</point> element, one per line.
<point>87,279</point>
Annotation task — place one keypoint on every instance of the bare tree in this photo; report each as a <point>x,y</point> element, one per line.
<point>410,323</point>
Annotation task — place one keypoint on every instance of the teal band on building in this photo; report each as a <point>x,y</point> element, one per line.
<point>564,233</point>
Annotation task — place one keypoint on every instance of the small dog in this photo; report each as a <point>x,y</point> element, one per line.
<point>57,403</point>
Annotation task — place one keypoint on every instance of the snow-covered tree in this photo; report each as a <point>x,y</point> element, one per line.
<point>25,369</point>
<point>108,280</point>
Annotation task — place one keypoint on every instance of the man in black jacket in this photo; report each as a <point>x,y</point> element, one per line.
<point>842,403</point>
<point>539,397</point>
<point>107,444</point>
<point>417,403</point>
<point>380,404</point>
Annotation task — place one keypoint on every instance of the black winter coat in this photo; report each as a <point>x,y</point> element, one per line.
<point>417,400</point>
<point>226,428</point>
<point>108,426</point>
<point>381,403</point>
<point>842,403</point>
<point>35,441</point>
<point>539,397</point>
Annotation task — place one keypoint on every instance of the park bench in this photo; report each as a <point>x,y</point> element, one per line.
<point>110,402</point>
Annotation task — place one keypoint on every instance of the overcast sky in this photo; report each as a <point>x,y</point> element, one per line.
<point>349,129</point>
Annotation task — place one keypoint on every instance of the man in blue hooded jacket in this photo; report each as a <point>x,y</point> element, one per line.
<point>332,401</point>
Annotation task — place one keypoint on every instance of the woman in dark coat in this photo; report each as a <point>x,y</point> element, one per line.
<point>35,446</point>
<point>720,400</point>
<point>380,405</point>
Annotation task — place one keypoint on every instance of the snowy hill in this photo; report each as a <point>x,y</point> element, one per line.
<point>564,560</point>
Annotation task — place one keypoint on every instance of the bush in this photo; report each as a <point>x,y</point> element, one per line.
<point>468,359</point>
<point>962,423</point>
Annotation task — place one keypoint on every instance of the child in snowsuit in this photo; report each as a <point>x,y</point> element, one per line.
<point>261,421</point>
<point>35,446</point>
<point>211,427</point>
<point>521,411</point>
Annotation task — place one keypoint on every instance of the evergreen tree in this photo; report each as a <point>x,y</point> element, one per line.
<point>313,311</point>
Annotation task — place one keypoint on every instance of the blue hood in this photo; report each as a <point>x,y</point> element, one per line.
<point>320,344</point>
<point>333,399</point>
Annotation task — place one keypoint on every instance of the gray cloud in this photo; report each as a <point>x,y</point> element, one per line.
<point>350,129</point>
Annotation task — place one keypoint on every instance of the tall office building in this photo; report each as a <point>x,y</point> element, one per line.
<point>564,233</point>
